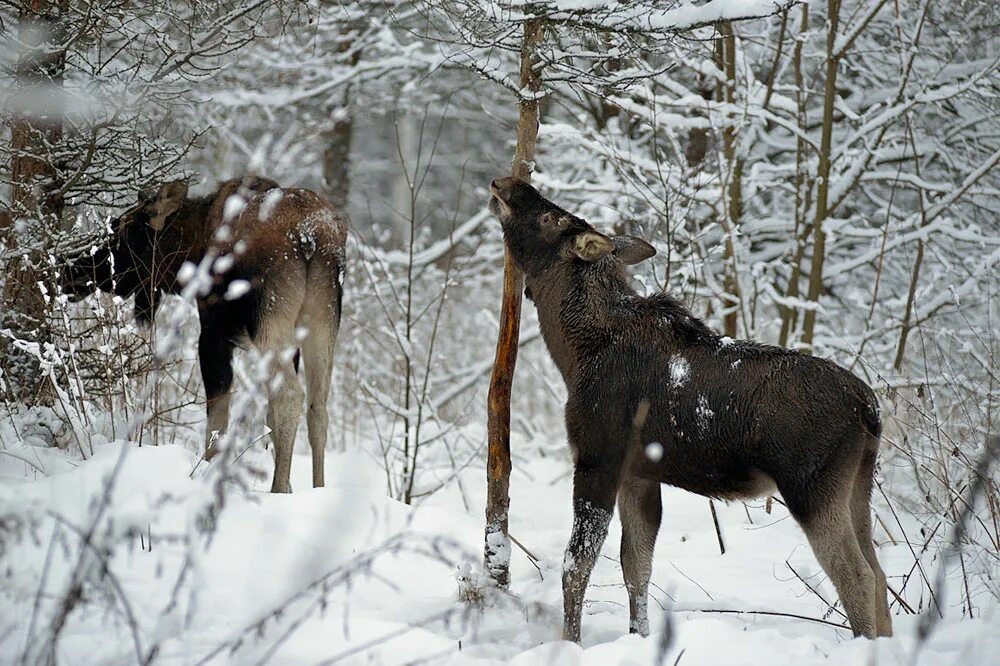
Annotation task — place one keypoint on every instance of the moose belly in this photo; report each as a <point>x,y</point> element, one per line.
<point>701,472</point>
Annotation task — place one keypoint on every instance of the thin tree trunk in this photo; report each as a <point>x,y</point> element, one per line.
<point>726,61</point>
<point>789,315</point>
<point>911,293</point>
<point>36,198</point>
<point>497,543</point>
<point>823,174</point>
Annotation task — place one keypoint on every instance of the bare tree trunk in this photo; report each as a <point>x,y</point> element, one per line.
<point>823,174</point>
<point>911,293</point>
<point>337,154</point>
<point>337,161</point>
<point>726,61</point>
<point>36,197</point>
<point>789,315</point>
<point>697,144</point>
<point>497,544</point>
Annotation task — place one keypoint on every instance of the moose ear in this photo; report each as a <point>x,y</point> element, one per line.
<point>631,250</point>
<point>591,245</point>
<point>168,199</point>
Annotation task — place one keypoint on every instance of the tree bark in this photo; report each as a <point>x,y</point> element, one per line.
<point>823,174</point>
<point>337,161</point>
<point>337,154</point>
<point>789,314</point>
<point>726,61</point>
<point>36,198</point>
<point>497,542</point>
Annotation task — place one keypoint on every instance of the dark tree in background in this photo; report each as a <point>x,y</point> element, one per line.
<point>37,185</point>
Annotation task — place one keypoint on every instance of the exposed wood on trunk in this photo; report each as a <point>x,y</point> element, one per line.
<point>823,173</point>
<point>497,542</point>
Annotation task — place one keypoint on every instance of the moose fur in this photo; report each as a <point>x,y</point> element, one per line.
<point>655,396</point>
<point>287,248</point>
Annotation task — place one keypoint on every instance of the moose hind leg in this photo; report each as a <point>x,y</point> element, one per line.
<point>283,412</point>
<point>640,510</point>
<point>277,338</point>
<point>861,517</point>
<point>317,351</point>
<point>832,538</point>
<point>215,358</point>
<point>594,493</point>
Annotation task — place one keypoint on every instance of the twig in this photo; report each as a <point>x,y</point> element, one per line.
<point>768,613</point>
<point>531,557</point>
<point>718,529</point>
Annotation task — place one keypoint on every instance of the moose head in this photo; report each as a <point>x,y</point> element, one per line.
<point>139,258</point>
<point>541,234</point>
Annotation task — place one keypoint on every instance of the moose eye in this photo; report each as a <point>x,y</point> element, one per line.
<point>555,221</point>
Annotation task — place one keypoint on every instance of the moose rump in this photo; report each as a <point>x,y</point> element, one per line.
<point>271,264</point>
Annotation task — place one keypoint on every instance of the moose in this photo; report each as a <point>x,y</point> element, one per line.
<point>655,396</point>
<point>276,263</point>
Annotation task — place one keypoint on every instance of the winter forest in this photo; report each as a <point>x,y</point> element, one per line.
<point>256,245</point>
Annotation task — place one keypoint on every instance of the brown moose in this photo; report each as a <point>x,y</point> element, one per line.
<point>276,261</point>
<point>655,396</point>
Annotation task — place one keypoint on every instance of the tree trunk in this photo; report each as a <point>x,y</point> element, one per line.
<point>337,161</point>
<point>789,314</point>
<point>823,174</point>
<point>497,543</point>
<point>36,198</point>
<point>337,154</point>
<point>726,61</point>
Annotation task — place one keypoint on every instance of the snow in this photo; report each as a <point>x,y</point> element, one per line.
<point>269,203</point>
<point>236,289</point>
<point>233,206</point>
<point>679,371</point>
<point>654,451</point>
<point>399,603</point>
<point>703,414</point>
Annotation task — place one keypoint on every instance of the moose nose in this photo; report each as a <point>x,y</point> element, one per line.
<point>500,187</point>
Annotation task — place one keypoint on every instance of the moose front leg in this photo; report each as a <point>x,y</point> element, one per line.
<point>594,490</point>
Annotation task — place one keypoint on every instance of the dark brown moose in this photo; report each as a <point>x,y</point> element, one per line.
<point>274,260</point>
<point>655,396</point>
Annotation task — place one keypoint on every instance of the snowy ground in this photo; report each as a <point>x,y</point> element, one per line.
<point>403,607</point>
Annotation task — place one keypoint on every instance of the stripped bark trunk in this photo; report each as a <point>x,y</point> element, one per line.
<point>823,174</point>
<point>36,195</point>
<point>497,541</point>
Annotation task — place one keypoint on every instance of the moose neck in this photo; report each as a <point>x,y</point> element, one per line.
<point>193,226</point>
<point>185,237</point>
<point>579,306</point>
